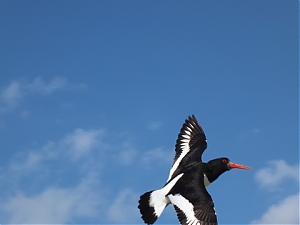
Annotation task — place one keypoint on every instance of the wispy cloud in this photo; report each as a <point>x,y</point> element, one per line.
<point>57,83</point>
<point>49,166</point>
<point>31,162</point>
<point>128,154</point>
<point>81,142</point>
<point>12,94</point>
<point>271,178</point>
<point>275,173</point>
<point>75,145</point>
<point>283,212</point>
<point>251,133</point>
<point>155,156</point>
<point>154,125</point>
<point>55,205</point>
<point>36,181</point>
<point>123,209</point>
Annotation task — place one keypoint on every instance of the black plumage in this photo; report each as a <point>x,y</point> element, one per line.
<point>188,177</point>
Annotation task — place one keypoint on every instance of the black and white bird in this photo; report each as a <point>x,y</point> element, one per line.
<point>185,187</point>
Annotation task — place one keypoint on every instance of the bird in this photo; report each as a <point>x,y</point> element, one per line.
<point>188,178</point>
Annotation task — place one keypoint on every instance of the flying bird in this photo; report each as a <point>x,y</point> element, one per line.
<point>187,181</point>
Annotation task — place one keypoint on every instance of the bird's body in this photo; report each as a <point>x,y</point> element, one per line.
<point>190,198</point>
<point>185,187</point>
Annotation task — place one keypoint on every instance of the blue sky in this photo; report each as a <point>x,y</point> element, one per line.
<point>93,95</point>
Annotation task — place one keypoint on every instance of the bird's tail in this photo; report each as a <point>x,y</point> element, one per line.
<point>153,203</point>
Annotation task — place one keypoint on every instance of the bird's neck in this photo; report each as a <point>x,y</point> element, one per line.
<point>211,174</point>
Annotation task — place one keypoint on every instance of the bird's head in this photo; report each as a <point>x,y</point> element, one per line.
<point>214,168</point>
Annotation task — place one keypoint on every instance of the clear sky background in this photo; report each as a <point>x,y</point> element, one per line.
<point>93,95</point>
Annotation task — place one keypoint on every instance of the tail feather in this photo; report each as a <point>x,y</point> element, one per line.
<point>153,203</point>
<point>148,210</point>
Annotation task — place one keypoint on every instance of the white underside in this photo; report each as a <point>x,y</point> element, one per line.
<point>159,200</point>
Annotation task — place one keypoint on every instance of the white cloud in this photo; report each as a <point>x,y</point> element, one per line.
<point>127,157</point>
<point>81,142</point>
<point>276,172</point>
<point>87,145</point>
<point>283,212</point>
<point>12,94</point>
<point>39,191</point>
<point>124,208</point>
<point>156,155</point>
<point>49,164</point>
<point>57,83</point>
<point>128,154</point>
<point>24,163</point>
<point>16,90</point>
<point>31,162</point>
<point>55,205</point>
<point>76,145</point>
<point>271,177</point>
<point>38,85</point>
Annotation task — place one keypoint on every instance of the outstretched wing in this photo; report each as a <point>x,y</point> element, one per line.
<point>190,139</point>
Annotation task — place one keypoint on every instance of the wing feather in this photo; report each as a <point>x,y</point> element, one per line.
<point>191,138</point>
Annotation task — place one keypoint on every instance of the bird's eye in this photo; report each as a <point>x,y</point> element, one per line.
<point>224,160</point>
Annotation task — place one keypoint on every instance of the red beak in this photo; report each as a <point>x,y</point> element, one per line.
<point>239,166</point>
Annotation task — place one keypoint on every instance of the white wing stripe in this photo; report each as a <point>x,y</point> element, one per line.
<point>185,206</point>
<point>188,132</point>
<point>186,136</point>
<point>184,144</point>
<point>174,167</point>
